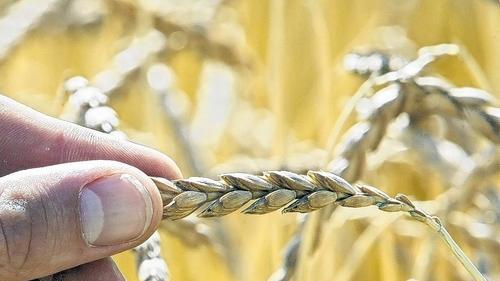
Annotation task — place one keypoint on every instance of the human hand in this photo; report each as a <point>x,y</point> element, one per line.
<point>70,197</point>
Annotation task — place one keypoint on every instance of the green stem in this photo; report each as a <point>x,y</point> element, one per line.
<point>459,253</point>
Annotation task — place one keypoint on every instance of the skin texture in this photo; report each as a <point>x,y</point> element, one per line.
<point>44,163</point>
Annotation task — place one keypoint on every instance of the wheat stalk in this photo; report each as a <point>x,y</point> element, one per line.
<point>487,164</point>
<point>161,81</point>
<point>463,178</point>
<point>468,227</point>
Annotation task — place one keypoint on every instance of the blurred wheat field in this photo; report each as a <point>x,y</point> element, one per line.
<point>261,85</point>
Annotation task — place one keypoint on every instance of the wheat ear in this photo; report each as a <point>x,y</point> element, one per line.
<point>272,191</point>
<point>161,80</point>
<point>296,193</point>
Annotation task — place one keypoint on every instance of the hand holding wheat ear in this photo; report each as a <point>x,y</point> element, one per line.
<point>62,213</point>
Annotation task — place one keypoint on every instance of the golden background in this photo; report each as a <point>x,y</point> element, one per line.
<point>263,85</point>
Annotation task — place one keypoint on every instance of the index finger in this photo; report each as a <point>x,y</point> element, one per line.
<point>30,139</point>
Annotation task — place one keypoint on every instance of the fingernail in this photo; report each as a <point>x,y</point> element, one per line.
<point>114,210</point>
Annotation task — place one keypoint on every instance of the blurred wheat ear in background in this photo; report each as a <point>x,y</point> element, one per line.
<point>398,95</point>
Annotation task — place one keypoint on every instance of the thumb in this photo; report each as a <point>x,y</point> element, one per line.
<point>61,216</point>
